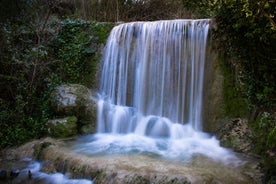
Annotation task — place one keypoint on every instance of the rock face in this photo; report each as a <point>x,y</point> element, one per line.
<point>213,92</point>
<point>76,100</point>
<point>64,127</point>
<point>236,134</point>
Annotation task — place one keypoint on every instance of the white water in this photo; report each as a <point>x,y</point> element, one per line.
<point>38,177</point>
<point>151,93</point>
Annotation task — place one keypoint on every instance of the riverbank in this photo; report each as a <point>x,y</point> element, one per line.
<point>130,169</point>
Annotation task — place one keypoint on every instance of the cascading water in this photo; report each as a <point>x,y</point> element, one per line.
<point>155,69</point>
<point>151,94</point>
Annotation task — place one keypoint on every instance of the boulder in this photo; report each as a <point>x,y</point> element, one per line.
<point>76,100</point>
<point>236,134</point>
<point>64,127</point>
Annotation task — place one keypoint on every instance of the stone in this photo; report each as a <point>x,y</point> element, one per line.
<point>14,173</point>
<point>62,128</point>
<point>30,175</point>
<point>48,167</point>
<point>56,156</point>
<point>236,134</point>
<point>87,129</point>
<point>75,100</point>
<point>3,175</point>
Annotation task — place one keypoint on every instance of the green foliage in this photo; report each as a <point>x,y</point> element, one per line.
<point>247,31</point>
<point>271,138</point>
<point>265,143</point>
<point>200,8</point>
<point>17,126</point>
<point>72,48</point>
<point>39,52</point>
<point>234,98</point>
<point>265,128</point>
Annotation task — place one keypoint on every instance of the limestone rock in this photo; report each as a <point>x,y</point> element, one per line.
<point>61,128</point>
<point>76,100</point>
<point>57,157</point>
<point>48,167</point>
<point>237,135</point>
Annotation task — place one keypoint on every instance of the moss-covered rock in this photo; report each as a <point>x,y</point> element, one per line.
<point>61,128</point>
<point>76,100</point>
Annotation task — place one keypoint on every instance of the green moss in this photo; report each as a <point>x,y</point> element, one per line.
<point>265,144</point>
<point>271,138</point>
<point>235,101</point>
<point>77,47</point>
<point>230,142</point>
<point>38,149</point>
<point>100,176</point>
<point>99,33</point>
<point>140,180</point>
<point>65,129</point>
<point>265,130</point>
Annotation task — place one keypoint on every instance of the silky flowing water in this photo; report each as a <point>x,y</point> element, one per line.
<point>150,99</point>
<point>29,172</point>
<point>150,106</point>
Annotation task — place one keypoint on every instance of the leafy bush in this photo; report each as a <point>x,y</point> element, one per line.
<point>38,53</point>
<point>265,143</point>
<point>75,48</point>
<point>247,30</point>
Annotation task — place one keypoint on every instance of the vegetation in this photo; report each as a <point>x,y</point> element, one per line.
<point>38,53</point>
<point>45,43</point>
<point>246,32</point>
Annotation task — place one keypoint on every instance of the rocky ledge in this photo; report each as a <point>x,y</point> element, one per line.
<point>131,169</point>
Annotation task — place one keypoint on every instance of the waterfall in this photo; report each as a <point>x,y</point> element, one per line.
<point>152,77</point>
<point>151,92</point>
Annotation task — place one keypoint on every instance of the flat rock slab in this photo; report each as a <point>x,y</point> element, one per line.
<point>138,169</point>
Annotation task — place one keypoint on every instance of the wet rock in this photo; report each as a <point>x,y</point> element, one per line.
<point>30,175</point>
<point>236,134</point>
<point>62,128</point>
<point>48,167</point>
<point>3,175</point>
<point>131,169</point>
<point>14,173</point>
<point>37,147</point>
<point>76,100</point>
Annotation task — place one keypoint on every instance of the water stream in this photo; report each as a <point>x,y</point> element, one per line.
<point>151,93</point>
<point>150,121</point>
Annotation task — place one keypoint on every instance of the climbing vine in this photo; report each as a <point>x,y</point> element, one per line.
<point>38,53</point>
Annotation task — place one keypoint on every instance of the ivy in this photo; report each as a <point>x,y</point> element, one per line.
<point>34,60</point>
<point>249,32</point>
<point>72,48</point>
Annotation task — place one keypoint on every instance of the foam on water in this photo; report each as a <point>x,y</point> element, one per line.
<point>38,177</point>
<point>182,149</point>
<point>151,93</point>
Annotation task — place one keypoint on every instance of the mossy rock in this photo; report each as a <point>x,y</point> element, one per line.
<point>62,128</point>
<point>76,100</point>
